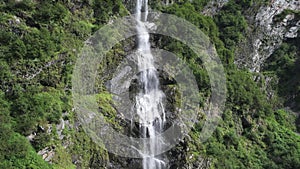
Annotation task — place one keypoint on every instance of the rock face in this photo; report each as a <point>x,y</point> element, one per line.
<point>270,30</point>
<point>213,7</point>
<point>47,154</point>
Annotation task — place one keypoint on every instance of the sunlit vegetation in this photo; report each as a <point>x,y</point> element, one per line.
<point>40,40</point>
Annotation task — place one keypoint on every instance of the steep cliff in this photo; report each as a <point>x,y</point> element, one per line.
<point>271,23</point>
<point>257,42</point>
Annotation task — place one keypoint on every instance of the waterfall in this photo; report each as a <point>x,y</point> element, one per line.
<point>149,100</point>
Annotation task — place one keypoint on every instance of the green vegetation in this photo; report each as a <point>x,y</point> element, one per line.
<point>15,151</point>
<point>284,63</point>
<point>286,12</point>
<point>284,66</point>
<point>252,134</point>
<point>39,41</point>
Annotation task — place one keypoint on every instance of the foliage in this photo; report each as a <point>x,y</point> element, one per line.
<point>39,41</point>
<point>284,62</point>
<point>249,116</point>
<point>232,24</point>
<point>15,151</point>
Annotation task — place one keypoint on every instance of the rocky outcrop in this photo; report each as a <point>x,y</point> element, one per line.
<point>47,153</point>
<point>213,7</point>
<point>270,30</point>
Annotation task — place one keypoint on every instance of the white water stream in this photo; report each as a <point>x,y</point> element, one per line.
<point>149,100</point>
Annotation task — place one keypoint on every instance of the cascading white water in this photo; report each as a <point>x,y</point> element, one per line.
<point>149,100</point>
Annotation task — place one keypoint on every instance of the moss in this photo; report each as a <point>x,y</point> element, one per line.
<point>62,159</point>
<point>84,149</point>
<point>105,102</point>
